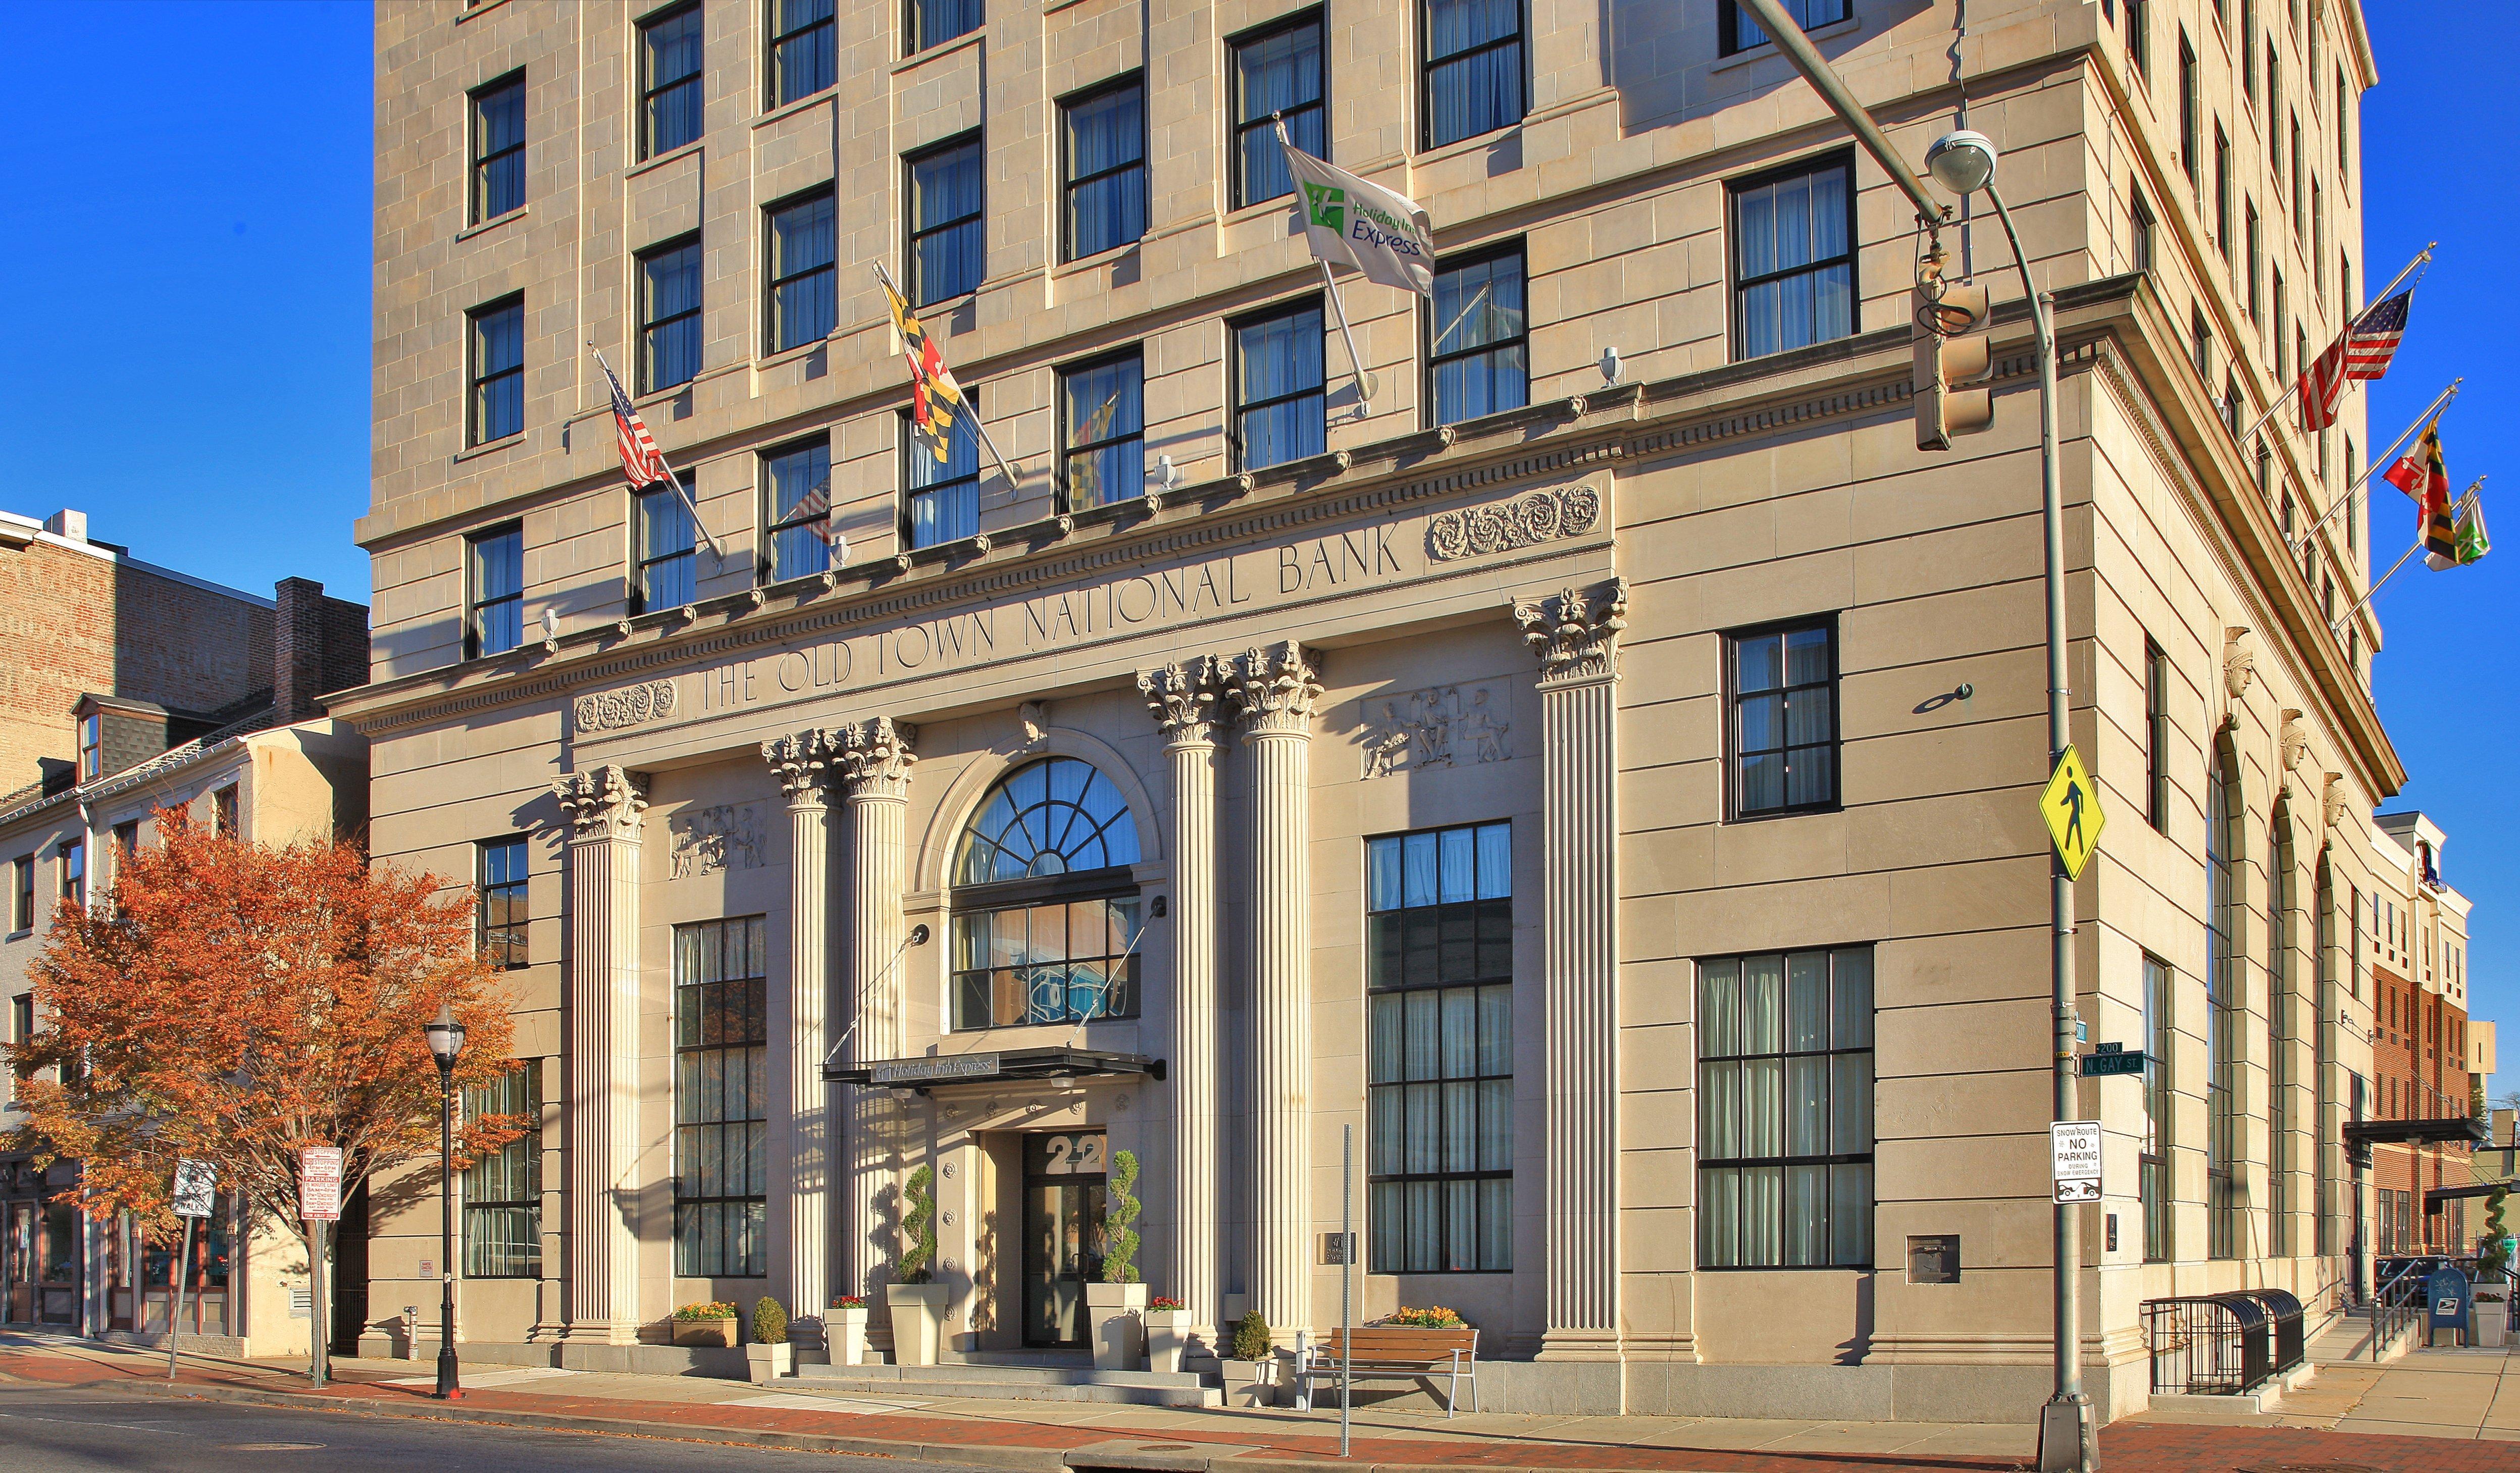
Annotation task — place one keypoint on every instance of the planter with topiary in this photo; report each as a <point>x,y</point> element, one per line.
<point>1250,1365</point>
<point>769,1356</point>
<point>845,1327</point>
<point>1114,1304</point>
<point>1167,1333</point>
<point>917,1301</point>
<point>711,1324</point>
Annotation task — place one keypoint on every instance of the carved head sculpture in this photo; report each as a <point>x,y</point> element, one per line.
<point>2239,661</point>
<point>2292,743</point>
<point>2337,800</point>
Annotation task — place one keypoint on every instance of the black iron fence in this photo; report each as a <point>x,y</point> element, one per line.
<point>2222,1344</point>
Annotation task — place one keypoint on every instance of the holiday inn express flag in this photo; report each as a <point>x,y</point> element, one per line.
<point>1349,222</point>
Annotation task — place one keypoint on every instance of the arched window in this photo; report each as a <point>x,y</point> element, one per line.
<point>1046,915</point>
<point>2222,996</point>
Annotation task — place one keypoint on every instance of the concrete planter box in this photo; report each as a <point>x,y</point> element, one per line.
<point>718,1332</point>
<point>1250,1383</point>
<point>2492,1316</point>
<point>918,1310</point>
<point>846,1330</point>
<point>768,1362</point>
<point>1168,1337</point>
<point>1111,1318</point>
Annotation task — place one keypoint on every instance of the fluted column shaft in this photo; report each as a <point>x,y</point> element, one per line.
<point>1183,700</point>
<point>1274,693</point>
<point>1575,634</point>
<point>874,760</point>
<point>800,1129</point>
<point>604,806</point>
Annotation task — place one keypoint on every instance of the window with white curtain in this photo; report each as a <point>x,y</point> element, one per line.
<point>1793,257</point>
<point>1439,984</point>
<point>943,501</point>
<point>1784,1092</point>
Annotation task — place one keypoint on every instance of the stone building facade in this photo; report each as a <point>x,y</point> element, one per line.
<point>2420,1046</point>
<point>1603,784</point>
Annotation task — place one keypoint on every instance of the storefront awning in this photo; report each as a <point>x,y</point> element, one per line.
<point>2362,1135</point>
<point>932,1070</point>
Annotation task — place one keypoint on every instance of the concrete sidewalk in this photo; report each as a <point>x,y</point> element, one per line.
<point>2408,1416</point>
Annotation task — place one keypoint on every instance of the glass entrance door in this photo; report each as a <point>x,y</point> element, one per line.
<point>1062,1233</point>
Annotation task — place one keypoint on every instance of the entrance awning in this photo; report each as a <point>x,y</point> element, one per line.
<point>2362,1135</point>
<point>929,1071</point>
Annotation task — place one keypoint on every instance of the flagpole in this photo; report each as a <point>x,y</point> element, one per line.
<point>1366,383</point>
<point>680,490</point>
<point>979,425</point>
<point>2422,256</point>
<point>2466,503</point>
<point>2441,401</point>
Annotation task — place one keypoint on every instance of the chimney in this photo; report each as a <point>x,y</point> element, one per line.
<point>319,646</point>
<point>68,524</point>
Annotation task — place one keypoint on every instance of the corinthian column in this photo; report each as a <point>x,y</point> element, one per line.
<point>1273,692</point>
<point>800,1185</point>
<point>1183,700</point>
<point>873,760</point>
<point>604,807</point>
<point>1575,634</point>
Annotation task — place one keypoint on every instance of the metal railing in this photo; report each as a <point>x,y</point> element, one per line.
<point>2208,1345</point>
<point>2397,1304</point>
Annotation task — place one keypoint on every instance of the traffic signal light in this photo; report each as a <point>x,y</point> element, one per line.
<point>1950,336</point>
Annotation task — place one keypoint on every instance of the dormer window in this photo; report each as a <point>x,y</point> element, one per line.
<point>91,747</point>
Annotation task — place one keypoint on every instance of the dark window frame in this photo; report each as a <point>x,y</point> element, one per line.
<point>2160,1109</point>
<point>2225,957</point>
<point>476,644</point>
<point>737,1001</point>
<point>91,746</point>
<point>2140,228</point>
<point>481,379</point>
<point>650,90</point>
<point>517,1166</point>
<point>650,325</point>
<point>1429,331</point>
<point>914,17</point>
<point>1519,38</point>
<point>70,867</point>
<point>1734,812</point>
<point>773,79</point>
<point>2139,35</point>
<point>773,279</point>
<point>774,525</point>
<point>2156,741</point>
<point>21,894</point>
<point>1239,196</point>
<point>1851,258</point>
<point>1235,405</point>
<point>2191,112</point>
<point>1066,373</point>
<point>1069,183</point>
<point>478,211</point>
<point>225,820</point>
<point>640,498</point>
<point>1728,18</point>
<point>507,939</point>
<point>913,231</point>
<point>914,449</point>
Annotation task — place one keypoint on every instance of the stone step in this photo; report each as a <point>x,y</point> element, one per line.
<point>1123,1388</point>
<point>906,1377</point>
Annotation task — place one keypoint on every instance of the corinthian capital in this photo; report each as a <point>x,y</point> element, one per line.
<point>874,757</point>
<point>802,764</point>
<point>1576,633</point>
<point>1183,699</point>
<point>1272,689</point>
<point>602,803</point>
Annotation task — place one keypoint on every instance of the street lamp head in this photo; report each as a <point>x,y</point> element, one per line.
<point>1962,162</point>
<point>445,1035</point>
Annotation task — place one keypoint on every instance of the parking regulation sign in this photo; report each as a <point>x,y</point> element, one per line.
<point>195,1184</point>
<point>2075,1152</point>
<point>319,1183</point>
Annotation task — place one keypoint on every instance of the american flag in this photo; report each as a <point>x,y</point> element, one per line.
<point>641,460</point>
<point>2363,352</point>
<point>817,504</point>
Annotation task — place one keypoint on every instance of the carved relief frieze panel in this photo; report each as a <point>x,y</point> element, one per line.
<point>722,837</point>
<point>1526,520</point>
<point>1443,726</point>
<point>629,706</point>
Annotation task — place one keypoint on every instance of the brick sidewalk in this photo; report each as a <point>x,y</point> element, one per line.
<point>1221,1438</point>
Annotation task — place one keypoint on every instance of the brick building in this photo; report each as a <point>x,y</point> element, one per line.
<point>2422,1048</point>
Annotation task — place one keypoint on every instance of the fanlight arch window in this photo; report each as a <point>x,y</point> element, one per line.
<point>1046,909</point>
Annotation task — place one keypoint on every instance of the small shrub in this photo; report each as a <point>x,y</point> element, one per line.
<point>1432,1317</point>
<point>1251,1338</point>
<point>1164,1303</point>
<point>1120,1240</point>
<point>717,1309</point>
<point>769,1322</point>
<point>919,1223</point>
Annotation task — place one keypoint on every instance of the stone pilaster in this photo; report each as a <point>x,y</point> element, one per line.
<point>1575,634</point>
<point>1183,700</point>
<point>604,806</point>
<point>800,1124</point>
<point>873,761</point>
<point>1273,692</point>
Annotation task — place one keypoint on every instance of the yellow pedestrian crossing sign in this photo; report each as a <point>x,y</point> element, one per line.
<point>2071,805</point>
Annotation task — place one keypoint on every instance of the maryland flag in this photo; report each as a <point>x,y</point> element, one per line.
<point>934,397</point>
<point>2421,476</point>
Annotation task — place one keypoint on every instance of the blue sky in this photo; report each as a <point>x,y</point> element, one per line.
<point>192,372</point>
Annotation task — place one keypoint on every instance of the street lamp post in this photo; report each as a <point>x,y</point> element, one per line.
<point>445,1040</point>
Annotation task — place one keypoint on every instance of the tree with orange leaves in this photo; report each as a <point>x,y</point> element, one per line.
<point>237,1002</point>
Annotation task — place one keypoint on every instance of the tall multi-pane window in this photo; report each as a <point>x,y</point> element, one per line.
<point>1782,698</point>
<point>2275,324</point>
<point>499,881</point>
<point>2201,344</point>
<point>498,370</point>
<point>1439,1037</point>
<point>2322,1093</point>
<point>499,147</point>
<point>2156,737</point>
<point>1279,410</point>
<point>223,813</point>
<point>1103,137</point>
<point>944,501</point>
<point>1046,910</point>
<point>1476,363</point>
<point>495,621</point>
<point>1785,1110</point>
<point>1735,31</point>
<point>1102,430</point>
<point>502,1189</point>
<point>801,55</point>
<point>933,23</point>
<point>1473,68</point>
<point>2249,49</point>
<point>669,315</point>
<point>948,238</point>
<point>1276,71</point>
<point>91,746</point>
<point>796,492</point>
<point>2222,193</point>
<point>2160,1034</point>
<point>2282,1159</point>
<point>2257,262</point>
<point>2297,203</point>
<point>721,1099</point>
<point>2139,231</point>
<point>664,563</point>
<point>22,893</point>
<point>2221,1010</point>
<point>71,859</point>
<point>2189,104</point>
<point>1793,258</point>
<point>669,81</point>
<point>2139,35</point>
<point>801,303</point>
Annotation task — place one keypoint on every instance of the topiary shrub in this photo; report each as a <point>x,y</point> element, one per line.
<point>769,1322</point>
<point>1120,1240</point>
<point>1251,1338</point>
<point>919,1224</point>
<point>2494,1232</point>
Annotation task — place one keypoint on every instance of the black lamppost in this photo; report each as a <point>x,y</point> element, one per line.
<point>445,1040</point>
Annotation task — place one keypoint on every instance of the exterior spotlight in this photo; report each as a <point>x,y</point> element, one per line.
<point>1962,162</point>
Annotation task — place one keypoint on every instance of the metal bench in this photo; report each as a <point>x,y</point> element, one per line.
<point>1398,1350</point>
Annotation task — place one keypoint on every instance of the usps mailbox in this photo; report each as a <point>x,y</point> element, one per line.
<point>2450,1300</point>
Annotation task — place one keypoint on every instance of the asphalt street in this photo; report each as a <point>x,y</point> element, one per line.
<point>47,1429</point>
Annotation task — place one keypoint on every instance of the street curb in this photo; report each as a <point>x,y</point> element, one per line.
<point>1022,1460</point>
